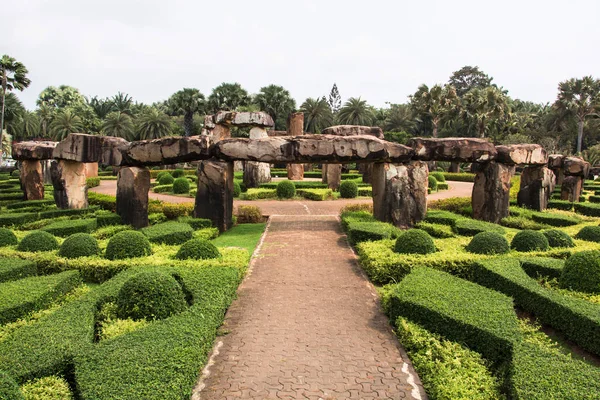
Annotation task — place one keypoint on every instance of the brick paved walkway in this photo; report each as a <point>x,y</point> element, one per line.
<point>306,324</point>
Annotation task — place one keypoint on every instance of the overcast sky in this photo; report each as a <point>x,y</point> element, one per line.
<point>380,50</point>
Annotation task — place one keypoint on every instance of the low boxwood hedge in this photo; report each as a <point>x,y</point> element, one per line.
<point>589,233</point>
<point>79,245</point>
<point>69,227</point>
<point>170,232</point>
<point>17,218</point>
<point>348,189</point>
<point>286,189</point>
<point>560,205</point>
<point>197,249</point>
<point>104,218</point>
<point>30,203</point>
<point>471,227</point>
<point>528,240</point>
<point>9,389</point>
<point>181,186</point>
<point>588,209</point>
<point>315,194</point>
<point>258,194</point>
<point>522,222</point>
<point>459,176</point>
<point>7,237</point>
<point>414,241</point>
<point>128,244</point>
<point>16,268</point>
<point>553,219</point>
<point>442,217</point>
<point>439,176</point>
<point>196,223</point>
<point>163,188</point>
<point>436,230</point>
<point>542,266</point>
<point>369,231</point>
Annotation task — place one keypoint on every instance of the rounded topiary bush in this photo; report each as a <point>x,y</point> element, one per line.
<point>7,237</point>
<point>286,189</point>
<point>558,238</point>
<point>166,179</point>
<point>589,233</point>
<point>197,249</point>
<point>150,295</point>
<point>582,272</point>
<point>128,244</point>
<point>488,243</point>
<point>79,245</point>
<point>528,240</point>
<point>38,241</point>
<point>432,183</point>
<point>237,189</point>
<point>181,186</point>
<point>348,189</point>
<point>178,173</point>
<point>161,174</point>
<point>414,241</point>
<point>438,175</point>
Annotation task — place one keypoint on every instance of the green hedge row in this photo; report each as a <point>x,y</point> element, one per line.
<point>71,226</point>
<point>316,194</point>
<point>560,205</point>
<point>459,176</point>
<point>554,219</point>
<point>588,209</point>
<point>30,203</point>
<point>543,266</point>
<point>298,184</point>
<point>170,232</point>
<point>15,268</point>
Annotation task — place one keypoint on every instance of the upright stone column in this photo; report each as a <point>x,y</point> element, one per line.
<point>537,184</point>
<point>46,165</point>
<point>332,175</point>
<point>70,188</point>
<point>366,169</point>
<point>400,193</point>
<point>221,132</point>
<point>255,172</point>
<point>133,184</point>
<point>295,127</point>
<point>214,199</point>
<point>454,166</point>
<point>490,198</point>
<point>571,188</point>
<point>32,179</point>
<point>91,169</point>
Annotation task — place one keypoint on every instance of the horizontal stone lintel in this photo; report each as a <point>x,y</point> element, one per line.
<point>33,150</point>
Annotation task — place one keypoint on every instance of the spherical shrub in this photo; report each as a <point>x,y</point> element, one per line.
<point>197,249</point>
<point>237,189</point>
<point>79,245</point>
<point>488,243</point>
<point>558,238</point>
<point>582,272</point>
<point>348,189</point>
<point>7,237</point>
<point>128,244</point>
<point>166,179</point>
<point>414,241</point>
<point>150,295</point>
<point>432,183</point>
<point>438,175</point>
<point>181,185</point>
<point>38,241</point>
<point>286,189</point>
<point>178,173</point>
<point>161,174</point>
<point>528,240</point>
<point>589,233</point>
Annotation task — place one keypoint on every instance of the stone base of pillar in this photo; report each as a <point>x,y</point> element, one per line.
<point>70,188</point>
<point>133,184</point>
<point>332,175</point>
<point>491,190</point>
<point>571,188</point>
<point>295,172</point>
<point>214,198</point>
<point>537,184</point>
<point>256,173</point>
<point>91,170</point>
<point>46,164</point>
<point>32,179</point>
<point>400,193</point>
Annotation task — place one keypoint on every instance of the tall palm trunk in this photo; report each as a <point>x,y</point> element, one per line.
<point>482,129</point>
<point>435,128</point>
<point>579,135</point>
<point>188,124</point>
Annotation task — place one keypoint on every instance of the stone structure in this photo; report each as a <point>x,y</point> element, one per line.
<point>70,188</point>
<point>353,130</point>
<point>295,127</point>
<point>332,175</point>
<point>133,184</point>
<point>256,172</point>
<point>537,184</point>
<point>490,199</point>
<point>91,169</point>
<point>453,149</point>
<point>214,198</point>
<point>32,179</point>
<point>570,173</point>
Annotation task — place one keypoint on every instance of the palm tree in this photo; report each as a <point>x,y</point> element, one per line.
<point>400,119</point>
<point>13,75</point>
<point>101,106</point>
<point>64,123</point>
<point>45,114</point>
<point>29,125</point>
<point>434,103</point>
<point>228,96</point>
<point>277,102</point>
<point>13,111</point>
<point>317,114</point>
<point>484,107</point>
<point>579,98</point>
<point>118,124</point>
<point>355,112</point>
<point>122,103</point>
<point>187,102</point>
<point>153,124</point>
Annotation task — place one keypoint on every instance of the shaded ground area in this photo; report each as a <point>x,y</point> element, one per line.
<point>307,324</point>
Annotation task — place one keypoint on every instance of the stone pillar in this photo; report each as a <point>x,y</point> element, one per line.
<point>400,193</point>
<point>454,167</point>
<point>295,127</point>
<point>366,169</point>
<point>91,170</point>
<point>571,188</point>
<point>332,175</point>
<point>32,179</point>
<point>490,198</point>
<point>214,198</point>
<point>133,184</point>
<point>238,166</point>
<point>46,164</point>
<point>256,173</point>
<point>70,188</point>
<point>537,184</point>
<point>221,132</point>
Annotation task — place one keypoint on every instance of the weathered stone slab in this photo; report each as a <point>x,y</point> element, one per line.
<point>453,149</point>
<point>209,123</point>
<point>133,184</point>
<point>33,150</point>
<point>256,173</point>
<point>214,198</point>
<point>555,161</point>
<point>313,149</point>
<point>571,188</point>
<point>353,130</point>
<point>272,133</point>
<point>528,154</point>
<point>220,132</point>
<point>491,189</point>
<point>70,188</point>
<point>91,149</point>
<point>400,193</point>
<point>331,174</point>
<point>295,124</point>
<point>32,179</point>
<point>537,184</point>
<point>295,172</point>
<point>243,119</point>
<point>167,150</point>
<point>576,166</point>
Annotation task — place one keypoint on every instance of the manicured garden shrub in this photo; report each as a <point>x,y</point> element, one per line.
<point>92,182</point>
<point>150,295</point>
<point>286,189</point>
<point>555,219</point>
<point>414,241</point>
<point>528,240</point>
<point>108,218</point>
<point>456,205</point>
<point>439,176</point>
<point>297,184</point>
<point>258,194</point>
<point>582,272</point>
<point>432,183</point>
<point>594,199</point>
<point>522,222</point>
<point>160,174</point>
<point>471,227</point>
<point>47,388</point>
<point>348,189</point>
<point>443,186</point>
<point>459,176</point>
<point>488,243</point>
<point>104,201</point>
<point>9,389</point>
<point>166,179</point>
<point>436,230</point>
<point>176,210</point>
<point>170,232</point>
<point>38,241</point>
<point>79,245</point>
<point>162,188</point>
<point>589,233</point>
<point>249,215</point>
<point>196,223</point>
<point>178,173</point>
<point>12,269</point>
<point>16,173</point>
<point>197,249</point>
<point>558,238</point>
<point>369,231</point>
<point>237,190</point>
<point>18,218</point>
<point>30,203</point>
<point>181,186</point>
<point>128,244</point>
<point>588,209</point>
<point>71,226</point>
<point>543,266</point>
<point>315,194</point>
<point>442,217</point>
<point>7,237</point>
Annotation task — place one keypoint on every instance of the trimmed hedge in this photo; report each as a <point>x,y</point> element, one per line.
<point>348,189</point>
<point>286,189</point>
<point>471,227</point>
<point>558,238</point>
<point>9,389</point>
<point>369,231</point>
<point>107,219</point>
<point>196,223</point>
<point>197,249</point>
<point>169,233</point>
<point>163,188</point>
<point>38,241</point>
<point>588,209</point>
<point>582,272</point>
<point>178,173</point>
<point>443,186</point>
<point>414,241</point>
<point>16,268</point>
<point>442,217</point>
<point>459,176</point>
<point>71,226</point>
<point>560,205</point>
<point>7,237</point>
<point>528,240</point>
<point>589,233</point>
<point>432,183</point>
<point>17,218</point>
<point>249,215</point>
<point>297,184</point>
<point>488,243</point>
<point>439,176</point>
<point>522,222</point>
<point>315,194</point>
<point>237,189</point>
<point>30,203</point>
<point>436,230</point>
<point>555,219</point>
<point>257,194</point>
<point>79,245</point>
<point>542,266</point>
<point>128,244</point>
